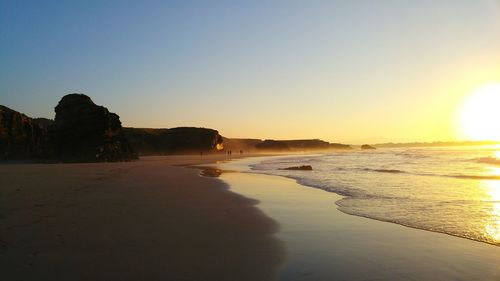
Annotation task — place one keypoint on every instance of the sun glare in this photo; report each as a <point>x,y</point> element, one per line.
<point>480,114</point>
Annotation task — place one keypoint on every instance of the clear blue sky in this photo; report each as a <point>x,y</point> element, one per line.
<point>339,70</point>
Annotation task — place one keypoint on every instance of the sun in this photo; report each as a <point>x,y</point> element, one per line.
<point>480,114</point>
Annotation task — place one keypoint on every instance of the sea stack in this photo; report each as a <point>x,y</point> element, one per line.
<point>85,132</point>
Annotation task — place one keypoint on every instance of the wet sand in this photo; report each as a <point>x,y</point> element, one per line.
<point>323,243</point>
<point>145,220</point>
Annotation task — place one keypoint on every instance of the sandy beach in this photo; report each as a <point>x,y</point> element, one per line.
<point>158,219</point>
<point>143,220</point>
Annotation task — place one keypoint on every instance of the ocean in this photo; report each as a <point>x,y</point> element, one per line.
<point>452,190</point>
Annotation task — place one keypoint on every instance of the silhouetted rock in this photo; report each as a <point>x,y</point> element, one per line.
<point>301,145</point>
<point>21,137</point>
<point>308,144</point>
<point>339,146</point>
<point>272,145</point>
<point>367,147</point>
<point>43,122</point>
<point>300,168</point>
<point>245,145</point>
<point>85,132</point>
<point>174,141</point>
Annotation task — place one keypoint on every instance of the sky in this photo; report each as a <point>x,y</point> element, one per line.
<point>343,71</point>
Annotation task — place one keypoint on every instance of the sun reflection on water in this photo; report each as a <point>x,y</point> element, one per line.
<point>494,171</point>
<point>496,153</point>
<point>492,228</point>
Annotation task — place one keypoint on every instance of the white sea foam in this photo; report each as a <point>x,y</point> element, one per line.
<point>440,189</point>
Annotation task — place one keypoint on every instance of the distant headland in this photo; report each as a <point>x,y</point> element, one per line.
<point>435,144</point>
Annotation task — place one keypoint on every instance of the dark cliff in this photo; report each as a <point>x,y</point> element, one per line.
<point>337,146</point>
<point>307,144</point>
<point>175,140</point>
<point>246,145</point>
<point>21,137</point>
<point>299,145</point>
<point>272,145</point>
<point>85,132</point>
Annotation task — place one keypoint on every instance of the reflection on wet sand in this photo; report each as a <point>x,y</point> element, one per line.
<point>210,171</point>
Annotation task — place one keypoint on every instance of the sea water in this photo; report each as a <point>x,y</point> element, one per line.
<point>452,190</point>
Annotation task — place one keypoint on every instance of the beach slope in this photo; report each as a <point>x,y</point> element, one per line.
<point>144,220</point>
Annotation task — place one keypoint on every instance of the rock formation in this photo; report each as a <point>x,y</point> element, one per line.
<point>85,132</point>
<point>21,137</point>
<point>300,168</point>
<point>237,144</point>
<point>43,122</point>
<point>307,144</point>
<point>299,145</point>
<point>340,146</point>
<point>175,140</point>
<point>272,145</point>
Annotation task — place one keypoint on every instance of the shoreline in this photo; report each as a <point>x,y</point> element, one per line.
<point>343,196</point>
<point>372,217</point>
<point>159,218</point>
<point>313,229</point>
<point>142,220</point>
<point>416,228</point>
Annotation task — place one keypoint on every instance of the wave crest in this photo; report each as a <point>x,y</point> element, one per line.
<point>390,171</point>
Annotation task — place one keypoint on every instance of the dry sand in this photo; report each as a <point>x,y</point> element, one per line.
<point>144,220</point>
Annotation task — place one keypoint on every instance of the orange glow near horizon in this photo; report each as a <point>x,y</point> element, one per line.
<point>480,114</point>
